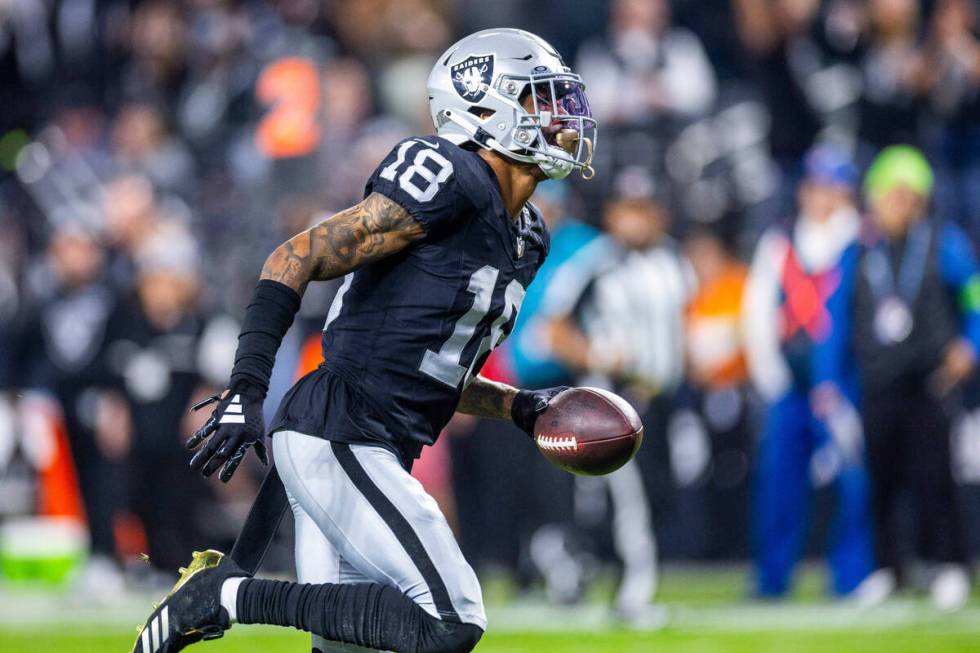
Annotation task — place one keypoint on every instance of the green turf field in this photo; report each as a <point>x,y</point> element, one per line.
<point>251,640</point>
<point>707,615</point>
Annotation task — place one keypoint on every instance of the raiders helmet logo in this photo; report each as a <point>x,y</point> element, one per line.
<point>472,75</point>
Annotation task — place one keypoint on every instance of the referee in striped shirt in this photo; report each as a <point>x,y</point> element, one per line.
<point>615,317</point>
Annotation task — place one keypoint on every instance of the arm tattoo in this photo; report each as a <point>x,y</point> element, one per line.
<point>375,228</point>
<point>485,398</point>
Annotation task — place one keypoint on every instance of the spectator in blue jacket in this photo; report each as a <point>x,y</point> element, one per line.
<point>916,334</point>
<point>798,353</point>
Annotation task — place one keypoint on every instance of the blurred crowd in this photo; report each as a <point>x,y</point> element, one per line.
<point>153,152</point>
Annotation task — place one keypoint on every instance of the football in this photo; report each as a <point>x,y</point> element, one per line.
<point>588,431</point>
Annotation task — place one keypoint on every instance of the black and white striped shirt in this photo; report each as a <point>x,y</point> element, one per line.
<point>629,304</point>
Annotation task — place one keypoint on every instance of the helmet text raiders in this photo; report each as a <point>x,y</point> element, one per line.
<point>472,76</point>
<point>509,91</point>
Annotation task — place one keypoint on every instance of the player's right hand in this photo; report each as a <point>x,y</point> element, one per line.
<point>235,425</point>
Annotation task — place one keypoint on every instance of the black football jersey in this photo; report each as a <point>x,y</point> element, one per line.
<point>405,335</point>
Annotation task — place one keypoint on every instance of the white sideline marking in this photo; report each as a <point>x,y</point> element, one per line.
<point>27,612</point>
<point>830,617</point>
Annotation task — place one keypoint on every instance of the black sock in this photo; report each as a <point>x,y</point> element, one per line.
<point>367,614</point>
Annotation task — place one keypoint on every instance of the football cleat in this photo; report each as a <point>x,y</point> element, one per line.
<point>192,610</point>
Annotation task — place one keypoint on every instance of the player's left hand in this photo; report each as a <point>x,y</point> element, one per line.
<point>235,425</point>
<point>528,404</point>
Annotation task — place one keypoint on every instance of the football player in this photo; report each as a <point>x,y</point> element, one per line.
<point>435,260</point>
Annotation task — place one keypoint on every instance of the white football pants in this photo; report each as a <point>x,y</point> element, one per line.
<point>361,518</point>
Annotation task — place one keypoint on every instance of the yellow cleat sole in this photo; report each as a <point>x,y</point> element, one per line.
<point>200,560</point>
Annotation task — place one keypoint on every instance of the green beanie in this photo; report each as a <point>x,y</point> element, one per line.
<point>898,165</point>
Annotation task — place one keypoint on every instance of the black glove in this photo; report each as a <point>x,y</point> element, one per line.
<point>235,425</point>
<point>528,404</point>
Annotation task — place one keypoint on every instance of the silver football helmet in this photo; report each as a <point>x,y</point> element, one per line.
<point>509,91</point>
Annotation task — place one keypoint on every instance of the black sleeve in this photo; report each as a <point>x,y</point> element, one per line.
<point>30,362</point>
<point>423,176</point>
<point>8,357</point>
<point>108,370</point>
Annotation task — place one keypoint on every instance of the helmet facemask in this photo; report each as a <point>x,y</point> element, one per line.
<point>559,132</point>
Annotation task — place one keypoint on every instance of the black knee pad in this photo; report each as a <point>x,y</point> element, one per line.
<point>440,636</point>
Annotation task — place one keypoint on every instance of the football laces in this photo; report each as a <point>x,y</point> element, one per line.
<point>556,443</point>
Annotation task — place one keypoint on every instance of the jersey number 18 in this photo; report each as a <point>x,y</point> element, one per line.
<point>447,364</point>
<point>418,168</point>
